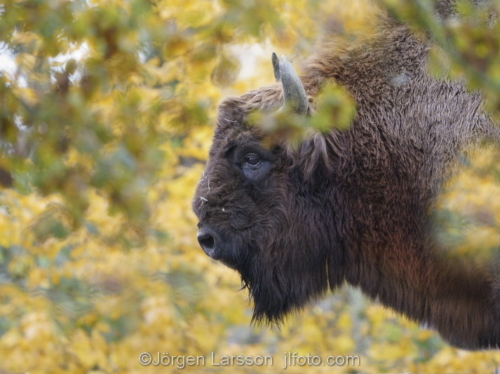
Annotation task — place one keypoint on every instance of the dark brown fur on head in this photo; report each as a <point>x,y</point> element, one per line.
<point>266,228</point>
<point>351,206</point>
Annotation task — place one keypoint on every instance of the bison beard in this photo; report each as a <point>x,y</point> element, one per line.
<point>350,206</point>
<point>280,283</point>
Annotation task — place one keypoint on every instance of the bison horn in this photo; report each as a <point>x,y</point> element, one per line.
<point>293,90</point>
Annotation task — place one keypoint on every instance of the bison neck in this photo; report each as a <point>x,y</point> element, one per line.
<point>389,252</point>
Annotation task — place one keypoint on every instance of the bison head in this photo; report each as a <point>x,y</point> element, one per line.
<point>266,210</point>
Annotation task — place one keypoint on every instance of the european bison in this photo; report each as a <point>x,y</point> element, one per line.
<point>350,206</point>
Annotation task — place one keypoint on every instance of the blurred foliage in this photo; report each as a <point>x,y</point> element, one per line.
<point>105,122</point>
<point>467,42</point>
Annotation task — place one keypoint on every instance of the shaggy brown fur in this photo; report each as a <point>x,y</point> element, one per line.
<point>351,206</point>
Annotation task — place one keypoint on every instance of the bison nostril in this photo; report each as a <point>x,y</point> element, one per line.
<point>207,242</point>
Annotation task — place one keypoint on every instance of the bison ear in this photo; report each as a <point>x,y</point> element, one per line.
<point>293,90</point>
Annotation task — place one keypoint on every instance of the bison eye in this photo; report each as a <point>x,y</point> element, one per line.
<point>252,159</point>
<point>254,162</point>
